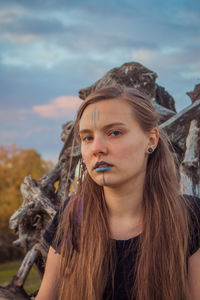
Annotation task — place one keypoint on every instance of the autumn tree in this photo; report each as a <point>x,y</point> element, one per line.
<point>15,164</point>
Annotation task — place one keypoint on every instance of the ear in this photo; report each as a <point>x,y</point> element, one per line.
<point>153,138</point>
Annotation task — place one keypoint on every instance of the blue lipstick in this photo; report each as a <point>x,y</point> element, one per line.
<point>104,169</point>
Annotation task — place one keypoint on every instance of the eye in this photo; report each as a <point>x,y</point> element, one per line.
<point>115,133</point>
<point>87,138</point>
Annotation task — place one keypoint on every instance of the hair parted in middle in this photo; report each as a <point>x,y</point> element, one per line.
<point>88,254</point>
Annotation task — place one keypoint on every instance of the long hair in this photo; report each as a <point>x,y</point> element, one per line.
<point>88,254</point>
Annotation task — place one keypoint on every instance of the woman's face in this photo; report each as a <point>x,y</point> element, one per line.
<point>113,146</point>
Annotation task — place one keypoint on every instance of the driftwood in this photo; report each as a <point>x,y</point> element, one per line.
<point>177,127</point>
<point>189,169</point>
<point>137,76</point>
<point>195,94</point>
<point>41,199</point>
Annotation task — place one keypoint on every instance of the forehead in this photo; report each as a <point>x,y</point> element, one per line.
<point>111,110</point>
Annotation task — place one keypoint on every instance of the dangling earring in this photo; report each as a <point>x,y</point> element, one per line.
<point>82,165</point>
<point>150,150</point>
<point>82,170</point>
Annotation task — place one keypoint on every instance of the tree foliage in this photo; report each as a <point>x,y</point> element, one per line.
<point>15,164</point>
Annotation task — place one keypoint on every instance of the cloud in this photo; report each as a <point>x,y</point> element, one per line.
<point>188,17</point>
<point>191,72</point>
<point>21,26</point>
<point>8,15</point>
<point>35,130</point>
<point>59,107</point>
<point>191,75</point>
<point>145,56</point>
<point>170,50</point>
<point>22,38</point>
<point>10,114</point>
<point>9,136</point>
<point>6,136</point>
<point>31,26</point>
<point>39,54</point>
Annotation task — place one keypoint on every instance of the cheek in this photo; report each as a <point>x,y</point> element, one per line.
<point>85,154</point>
<point>131,151</point>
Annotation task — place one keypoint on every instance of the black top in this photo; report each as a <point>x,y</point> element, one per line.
<point>125,264</point>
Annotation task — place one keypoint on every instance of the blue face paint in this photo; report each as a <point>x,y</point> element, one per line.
<point>103,169</point>
<point>104,182</point>
<point>95,116</point>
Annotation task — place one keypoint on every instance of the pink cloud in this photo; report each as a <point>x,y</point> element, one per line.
<point>20,38</point>
<point>34,131</point>
<point>6,135</point>
<point>59,107</point>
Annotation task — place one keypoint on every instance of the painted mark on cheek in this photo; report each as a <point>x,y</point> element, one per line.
<point>104,182</point>
<point>95,116</point>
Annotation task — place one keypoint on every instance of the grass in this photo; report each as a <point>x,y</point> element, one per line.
<point>9,269</point>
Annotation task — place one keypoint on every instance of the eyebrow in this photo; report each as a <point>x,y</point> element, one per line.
<point>105,127</point>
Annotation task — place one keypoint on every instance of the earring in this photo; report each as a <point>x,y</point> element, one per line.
<point>150,150</point>
<point>82,164</point>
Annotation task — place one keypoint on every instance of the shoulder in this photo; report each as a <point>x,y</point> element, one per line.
<point>194,225</point>
<point>49,286</point>
<point>194,275</point>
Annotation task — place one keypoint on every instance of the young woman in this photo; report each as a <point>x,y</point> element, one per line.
<point>126,233</point>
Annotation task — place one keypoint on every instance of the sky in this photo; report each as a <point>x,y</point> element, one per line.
<point>50,49</point>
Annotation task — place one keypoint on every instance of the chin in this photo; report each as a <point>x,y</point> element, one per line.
<point>107,183</point>
<point>105,180</point>
<point>101,182</point>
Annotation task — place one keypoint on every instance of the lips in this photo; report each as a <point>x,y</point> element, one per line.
<point>102,166</point>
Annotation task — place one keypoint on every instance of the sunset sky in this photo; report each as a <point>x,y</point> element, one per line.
<point>50,49</point>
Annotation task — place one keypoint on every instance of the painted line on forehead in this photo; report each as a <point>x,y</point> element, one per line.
<point>95,116</point>
<point>95,119</point>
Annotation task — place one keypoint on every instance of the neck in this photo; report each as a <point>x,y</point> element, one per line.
<point>125,201</point>
<point>125,210</point>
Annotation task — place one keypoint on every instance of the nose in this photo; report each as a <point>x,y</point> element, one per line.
<point>99,145</point>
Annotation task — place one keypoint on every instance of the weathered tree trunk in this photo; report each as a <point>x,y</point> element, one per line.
<point>190,165</point>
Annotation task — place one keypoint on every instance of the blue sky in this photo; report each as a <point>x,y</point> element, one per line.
<point>50,49</point>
